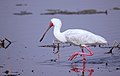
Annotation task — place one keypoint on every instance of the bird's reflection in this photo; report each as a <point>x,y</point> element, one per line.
<point>83,69</point>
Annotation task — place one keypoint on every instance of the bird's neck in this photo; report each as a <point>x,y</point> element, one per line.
<point>58,35</point>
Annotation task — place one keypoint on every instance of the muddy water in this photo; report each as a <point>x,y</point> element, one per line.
<point>23,57</point>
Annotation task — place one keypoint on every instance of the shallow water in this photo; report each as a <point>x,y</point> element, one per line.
<point>25,57</point>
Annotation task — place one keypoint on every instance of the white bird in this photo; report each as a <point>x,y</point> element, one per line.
<point>77,37</point>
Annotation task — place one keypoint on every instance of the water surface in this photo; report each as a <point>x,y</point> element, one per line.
<point>25,57</point>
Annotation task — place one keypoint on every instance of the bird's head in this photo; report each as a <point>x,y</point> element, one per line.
<point>55,22</point>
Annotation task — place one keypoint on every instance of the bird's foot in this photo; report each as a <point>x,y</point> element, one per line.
<point>74,55</point>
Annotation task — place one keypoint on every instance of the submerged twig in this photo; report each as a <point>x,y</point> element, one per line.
<point>115,45</point>
<point>54,46</point>
<point>2,43</point>
<point>8,43</point>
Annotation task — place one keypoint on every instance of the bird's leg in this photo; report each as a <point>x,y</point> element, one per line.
<point>58,52</point>
<point>83,54</point>
<point>74,55</point>
<point>90,51</point>
<point>77,53</point>
<point>54,46</point>
<point>84,68</point>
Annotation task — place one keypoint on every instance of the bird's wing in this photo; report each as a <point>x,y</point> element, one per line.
<point>79,37</point>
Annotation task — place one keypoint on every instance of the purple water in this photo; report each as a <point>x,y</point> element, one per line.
<point>25,57</point>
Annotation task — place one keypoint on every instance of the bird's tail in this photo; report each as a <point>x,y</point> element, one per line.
<point>101,40</point>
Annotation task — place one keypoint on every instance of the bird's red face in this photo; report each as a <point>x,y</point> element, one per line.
<point>51,24</point>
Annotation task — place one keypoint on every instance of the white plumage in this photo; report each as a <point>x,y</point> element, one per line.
<point>76,36</point>
<point>82,37</point>
<point>79,37</point>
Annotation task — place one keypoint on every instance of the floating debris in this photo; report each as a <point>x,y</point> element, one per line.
<point>23,13</point>
<point>3,43</point>
<point>33,71</point>
<point>65,12</point>
<point>116,8</point>
<point>1,66</point>
<point>53,60</point>
<point>9,73</point>
<point>25,46</point>
<point>106,64</point>
<point>22,58</point>
<point>118,68</point>
<point>21,4</point>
